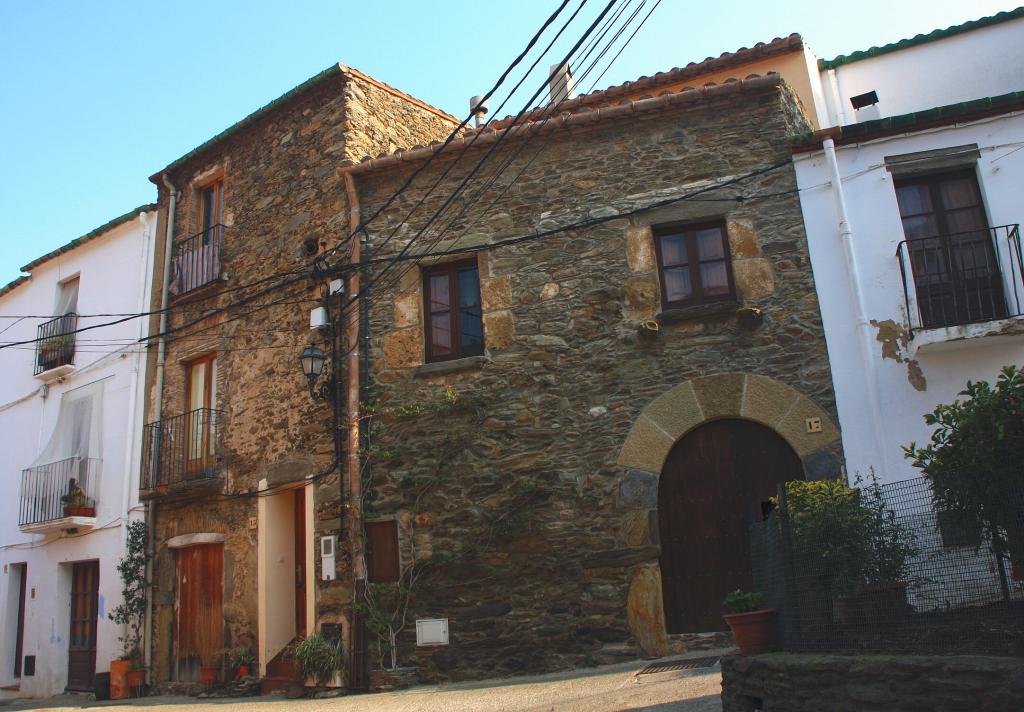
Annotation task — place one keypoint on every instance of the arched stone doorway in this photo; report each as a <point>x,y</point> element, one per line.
<point>716,481</point>
<point>662,423</point>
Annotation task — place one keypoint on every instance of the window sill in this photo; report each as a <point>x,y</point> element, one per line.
<point>698,312</point>
<point>440,368</point>
<point>207,287</point>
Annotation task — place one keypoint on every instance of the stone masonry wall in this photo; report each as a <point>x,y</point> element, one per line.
<point>786,682</point>
<point>502,470</point>
<point>283,204</point>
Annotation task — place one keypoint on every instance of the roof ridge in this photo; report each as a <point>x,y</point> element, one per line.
<point>589,115</point>
<point>345,69</point>
<point>778,45</point>
<point>92,234</point>
<point>335,69</point>
<point>922,38</point>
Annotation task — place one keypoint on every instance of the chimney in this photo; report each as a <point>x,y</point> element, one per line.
<point>478,113</point>
<point>561,84</point>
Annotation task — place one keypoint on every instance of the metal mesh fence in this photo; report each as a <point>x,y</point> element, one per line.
<point>884,568</point>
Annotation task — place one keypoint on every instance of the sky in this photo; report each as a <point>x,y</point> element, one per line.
<point>97,96</point>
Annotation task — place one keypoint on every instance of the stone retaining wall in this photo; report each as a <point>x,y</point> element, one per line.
<point>787,682</point>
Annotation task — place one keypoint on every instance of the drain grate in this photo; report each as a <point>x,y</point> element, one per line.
<point>671,665</point>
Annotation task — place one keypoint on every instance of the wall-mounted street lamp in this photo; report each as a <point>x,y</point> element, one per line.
<point>312,361</point>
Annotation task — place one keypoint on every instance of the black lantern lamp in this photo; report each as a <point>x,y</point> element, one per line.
<point>312,360</point>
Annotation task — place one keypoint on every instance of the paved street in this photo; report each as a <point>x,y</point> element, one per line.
<point>615,687</point>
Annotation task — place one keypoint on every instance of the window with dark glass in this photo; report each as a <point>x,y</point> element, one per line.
<point>453,319</point>
<point>952,257</point>
<point>693,264</point>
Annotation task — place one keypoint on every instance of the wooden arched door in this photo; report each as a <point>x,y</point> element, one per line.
<point>716,481</point>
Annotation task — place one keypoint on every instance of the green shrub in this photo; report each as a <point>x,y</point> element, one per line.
<point>318,658</point>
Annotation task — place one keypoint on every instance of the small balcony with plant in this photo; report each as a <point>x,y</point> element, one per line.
<point>963,286</point>
<point>59,495</point>
<point>55,347</point>
<point>182,453</point>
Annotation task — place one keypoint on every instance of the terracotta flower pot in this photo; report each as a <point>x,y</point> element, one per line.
<point>752,631</point>
<point>119,679</point>
<point>136,681</point>
<point>208,676</point>
<point>242,671</point>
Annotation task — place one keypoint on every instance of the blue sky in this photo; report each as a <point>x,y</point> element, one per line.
<point>97,96</point>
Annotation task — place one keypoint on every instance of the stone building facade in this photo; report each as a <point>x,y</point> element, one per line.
<point>526,482</point>
<point>239,464</point>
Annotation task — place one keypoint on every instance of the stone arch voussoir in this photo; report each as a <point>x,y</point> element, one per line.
<point>729,395</point>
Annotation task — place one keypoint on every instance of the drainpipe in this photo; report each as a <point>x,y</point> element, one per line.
<point>143,306</point>
<point>355,485</point>
<point>158,404</point>
<point>865,338</point>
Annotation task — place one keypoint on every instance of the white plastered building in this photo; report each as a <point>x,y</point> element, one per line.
<point>70,426</point>
<point>911,205</point>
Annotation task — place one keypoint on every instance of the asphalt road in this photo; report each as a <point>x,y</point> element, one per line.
<point>616,687</point>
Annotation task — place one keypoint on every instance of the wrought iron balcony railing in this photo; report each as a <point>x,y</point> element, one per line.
<point>55,343</point>
<point>962,278</point>
<point>182,448</point>
<point>195,261</point>
<point>60,489</point>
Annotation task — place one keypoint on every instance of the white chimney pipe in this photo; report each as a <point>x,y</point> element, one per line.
<point>561,84</point>
<point>478,107</point>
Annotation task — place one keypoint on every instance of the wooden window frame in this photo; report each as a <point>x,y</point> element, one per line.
<point>378,571</point>
<point>207,382</point>
<point>689,230</point>
<point>217,186</point>
<point>452,269</point>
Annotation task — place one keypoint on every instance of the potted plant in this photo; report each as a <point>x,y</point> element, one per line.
<point>751,625</point>
<point>74,502</point>
<point>241,659</point>
<point>136,676</point>
<point>320,660</point>
<point>131,612</point>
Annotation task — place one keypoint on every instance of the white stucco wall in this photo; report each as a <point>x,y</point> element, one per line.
<point>875,220</point>
<point>114,274</point>
<point>971,65</point>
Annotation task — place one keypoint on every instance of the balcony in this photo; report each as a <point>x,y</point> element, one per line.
<point>195,261</point>
<point>182,452</point>
<point>963,286</point>
<point>55,347</point>
<point>60,495</point>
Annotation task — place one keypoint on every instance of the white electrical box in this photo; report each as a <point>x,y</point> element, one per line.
<point>432,631</point>
<point>328,545</point>
<point>318,317</point>
<point>337,286</point>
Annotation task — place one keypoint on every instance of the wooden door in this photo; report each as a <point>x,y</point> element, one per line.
<point>300,562</point>
<point>716,481</point>
<point>85,586</point>
<point>956,273</point>
<point>199,610</point>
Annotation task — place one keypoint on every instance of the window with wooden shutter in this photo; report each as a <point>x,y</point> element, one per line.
<point>453,319</point>
<point>382,563</point>
<point>693,264</point>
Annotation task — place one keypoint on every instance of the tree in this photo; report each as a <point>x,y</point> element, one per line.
<point>975,460</point>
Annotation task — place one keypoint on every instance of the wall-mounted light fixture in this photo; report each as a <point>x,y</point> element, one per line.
<point>312,360</point>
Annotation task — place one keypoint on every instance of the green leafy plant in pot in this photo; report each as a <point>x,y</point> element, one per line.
<point>751,625</point>
<point>319,659</point>
<point>241,659</point>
